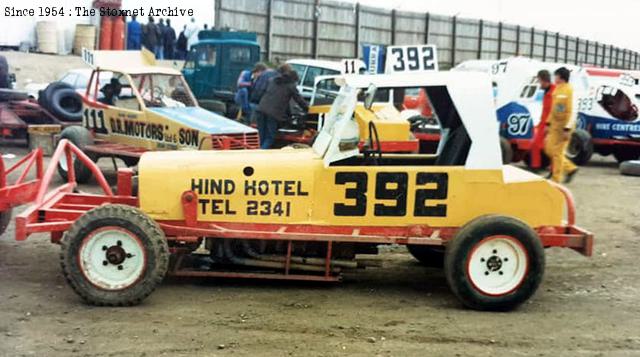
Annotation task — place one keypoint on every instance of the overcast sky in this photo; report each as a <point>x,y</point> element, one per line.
<point>607,21</point>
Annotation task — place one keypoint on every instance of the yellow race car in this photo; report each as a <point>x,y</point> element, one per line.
<point>309,214</point>
<point>393,129</point>
<point>131,106</point>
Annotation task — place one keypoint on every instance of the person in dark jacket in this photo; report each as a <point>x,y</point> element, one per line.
<point>169,37</point>
<point>159,50</point>
<point>274,104</point>
<point>150,35</point>
<point>260,82</point>
<point>181,45</point>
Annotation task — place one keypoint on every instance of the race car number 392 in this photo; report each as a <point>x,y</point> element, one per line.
<point>390,195</point>
<point>411,59</point>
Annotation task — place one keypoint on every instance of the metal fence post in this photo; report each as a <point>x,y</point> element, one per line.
<point>357,30</point>
<point>577,50</point>
<point>480,30</point>
<point>453,41</point>
<point>586,52</point>
<point>518,40</point>
<point>533,37</point>
<point>610,55</point>
<point>544,46</point>
<point>316,27</point>
<point>499,39</point>
<point>427,19</point>
<point>557,46</point>
<point>393,26</point>
<point>269,40</point>
<point>595,55</point>
<point>566,48</point>
<point>218,9</point>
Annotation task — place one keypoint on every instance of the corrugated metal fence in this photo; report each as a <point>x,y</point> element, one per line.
<point>335,30</point>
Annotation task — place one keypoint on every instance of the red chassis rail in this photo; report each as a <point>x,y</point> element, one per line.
<point>56,211</point>
<point>22,190</point>
<point>615,142</point>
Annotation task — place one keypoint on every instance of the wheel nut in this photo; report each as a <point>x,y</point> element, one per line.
<point>482,260</point>
<point>505,259</point>
<point>120,267</point>
<point>500,272</point>
<point>104,247</point>
<point>129,255</point>
<point>119,243</point>
<point>486,273</point>
<point>105,263</point>
<point>494,251</point>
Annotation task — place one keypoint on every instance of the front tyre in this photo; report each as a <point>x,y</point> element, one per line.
<point>114,255</point>
<point>494,263</point>
<point>506,150</point>
<point>80,137</point>
<point>5,219</point>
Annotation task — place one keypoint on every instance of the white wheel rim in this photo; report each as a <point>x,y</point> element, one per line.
<point>63,162</point>
<point>112,258</point>
<point>497,265</point>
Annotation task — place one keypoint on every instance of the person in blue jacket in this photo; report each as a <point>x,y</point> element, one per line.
<point>245,80</point>
<point>134,34</point>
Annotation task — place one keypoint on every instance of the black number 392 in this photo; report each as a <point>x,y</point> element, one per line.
<point>391,194</point>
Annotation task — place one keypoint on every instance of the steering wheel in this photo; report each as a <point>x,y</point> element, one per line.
<point>371,150</point>
<point>157,93</point>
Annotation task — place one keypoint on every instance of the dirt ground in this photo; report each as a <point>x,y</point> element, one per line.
<point>585,306</point>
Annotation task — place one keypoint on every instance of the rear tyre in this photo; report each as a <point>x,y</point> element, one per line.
<point>5,219</point>
<point>428,256</point>
<point>507,151</point>
<point>114,255</point>
<point>80,137</point>
<point>494,263</point>
<point>580,147</point>
<point>625,154</point>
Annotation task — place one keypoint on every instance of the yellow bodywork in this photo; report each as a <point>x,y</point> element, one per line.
<point>391,127</point>
<point>141,128</point>
<point>294,187</point>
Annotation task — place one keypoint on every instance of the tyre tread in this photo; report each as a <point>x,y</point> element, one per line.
<point>458,282</point>
<point>146,224</point>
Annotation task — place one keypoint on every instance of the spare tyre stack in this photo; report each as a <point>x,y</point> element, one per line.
<point>61,100</point>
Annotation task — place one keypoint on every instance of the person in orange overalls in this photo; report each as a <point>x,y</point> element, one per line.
<point>544,78</point>
<point>561,123</point>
